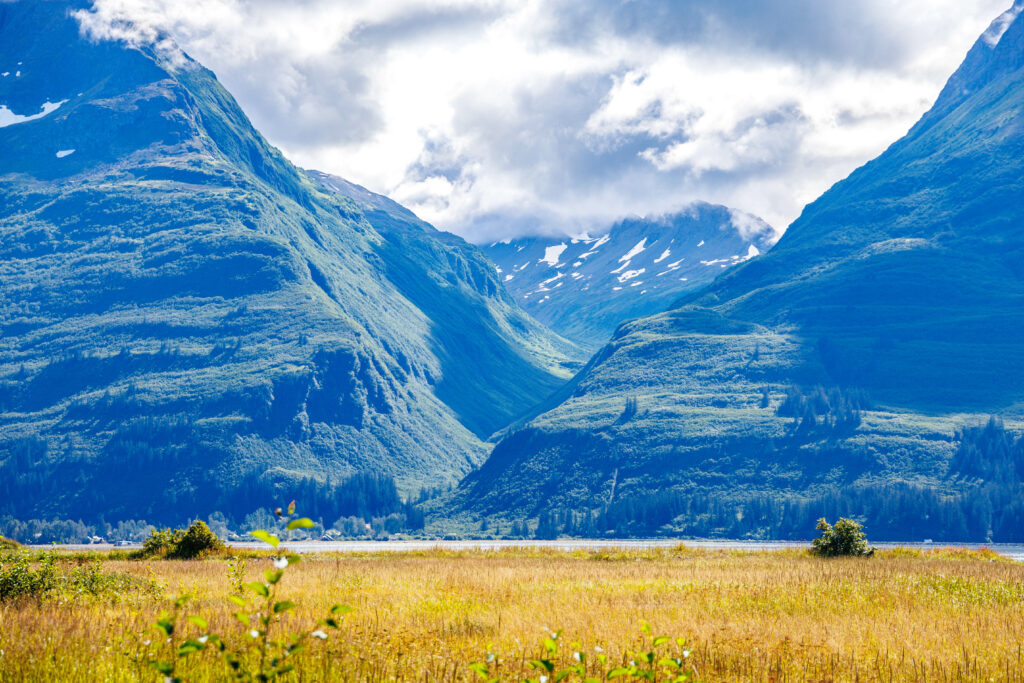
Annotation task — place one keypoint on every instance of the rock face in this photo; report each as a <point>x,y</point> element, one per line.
<point>584,288</point>
<point>182,310</point>
<point>900,293</point>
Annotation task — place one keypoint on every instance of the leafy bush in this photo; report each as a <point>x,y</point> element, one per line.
<point>197,541</point>
<point>8,544</point>
<point>845,539</point>
<point>20,579</point>
<point>181,544</point>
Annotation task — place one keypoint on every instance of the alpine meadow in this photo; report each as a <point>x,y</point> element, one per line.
<point>495,341</point>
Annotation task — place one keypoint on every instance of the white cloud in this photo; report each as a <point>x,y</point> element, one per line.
<point>491,117</point>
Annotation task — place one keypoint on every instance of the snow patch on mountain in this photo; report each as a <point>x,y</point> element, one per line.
<point>551,254</point>
<point>9,118</point>
<point>640,246</point>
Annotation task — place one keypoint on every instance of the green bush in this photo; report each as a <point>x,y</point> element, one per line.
<point>181,544</point>
<point>845,539</point>
<point>21,578</point>
<point>197,541</point>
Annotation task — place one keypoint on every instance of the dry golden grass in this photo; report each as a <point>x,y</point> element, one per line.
<point>782,616</point>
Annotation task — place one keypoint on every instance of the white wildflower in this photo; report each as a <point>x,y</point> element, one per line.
<point>281,563</point>
<point>319,634</point>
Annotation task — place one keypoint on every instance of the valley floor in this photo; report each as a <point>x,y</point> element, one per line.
<point>905,614</point>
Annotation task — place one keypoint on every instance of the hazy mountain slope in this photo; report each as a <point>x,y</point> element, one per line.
<point>900,292</point>
<point>184,312</point>
<point>584,288</point>
<point>523,359</point>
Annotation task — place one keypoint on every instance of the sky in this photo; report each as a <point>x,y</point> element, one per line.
<point>499,118</point>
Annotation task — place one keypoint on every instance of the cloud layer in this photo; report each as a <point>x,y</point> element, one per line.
<point>493,118</point>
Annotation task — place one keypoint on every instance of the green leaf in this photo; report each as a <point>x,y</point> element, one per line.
<point>163,667</point>
<point>166,627</point>
<point>545,664</point>
<point>341,609</point>
<point>237,600</point>
<point>265,537</point>
<point>661,640</point>
<point>480,668</point>
<point>561,675</point>
<point>283,606</point>
<point>301,523</point>
<point>293,559</point>
<point>273,576</point>
<point>258,588</point>
<point>618,671</point>
<point>200,622</point>
<point>333,623</point>
<point>190,646</point>
<point>242,617</point>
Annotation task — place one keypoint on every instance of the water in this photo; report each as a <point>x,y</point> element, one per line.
<point>1013,551</point>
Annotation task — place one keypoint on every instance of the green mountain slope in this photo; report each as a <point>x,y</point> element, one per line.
<point>185,316</point>
<point>845,360</point>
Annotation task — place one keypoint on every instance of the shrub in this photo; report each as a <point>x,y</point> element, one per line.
<point>845,539</point>
<point>160,543</point>
<point>8,544</point>
<point>181,544</point>
<point>21,578</point>
<point>18,578</point>
<point>197,541</point>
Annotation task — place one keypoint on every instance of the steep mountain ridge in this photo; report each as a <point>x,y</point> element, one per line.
<point>583,288</point>
<point>184,312</point>
<point>849,358</point>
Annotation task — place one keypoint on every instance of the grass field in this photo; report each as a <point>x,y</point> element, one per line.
<point>773,616</point>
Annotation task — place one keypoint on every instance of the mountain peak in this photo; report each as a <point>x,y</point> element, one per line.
<point>998,53</point>
<point>584,287</point>
<point>998,28</point>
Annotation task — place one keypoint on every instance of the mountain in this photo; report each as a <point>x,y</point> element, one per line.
<point>846,371</point>
<point>584,288</point>
<point>190,323</point>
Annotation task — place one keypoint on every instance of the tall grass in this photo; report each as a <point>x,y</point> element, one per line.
<point>779,616</point>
